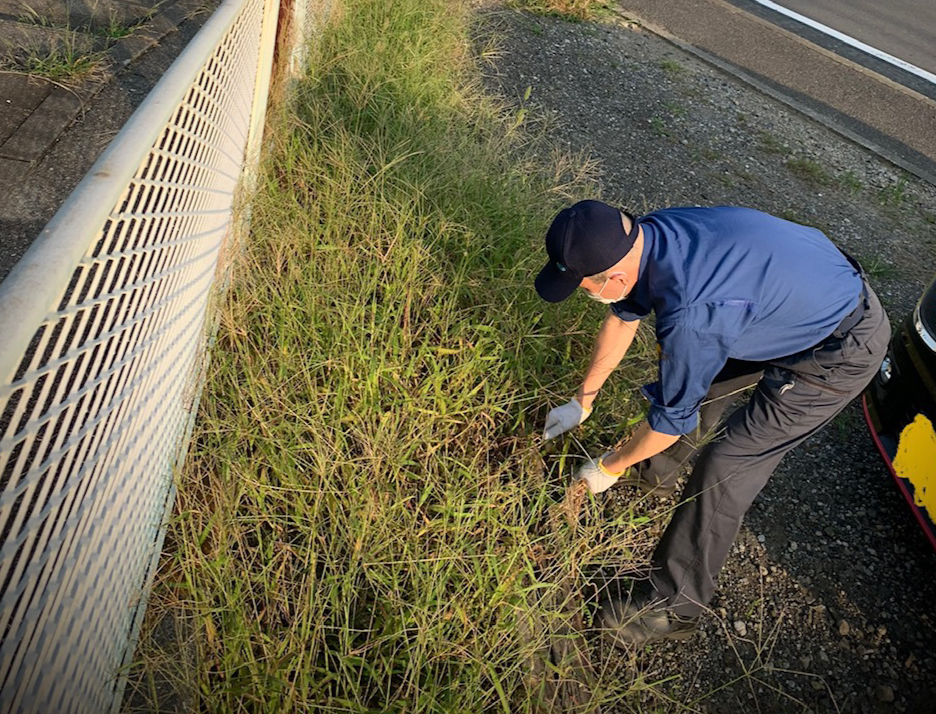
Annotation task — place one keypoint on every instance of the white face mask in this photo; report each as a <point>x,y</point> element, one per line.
<point>598,298</point>
<point>606,301</point>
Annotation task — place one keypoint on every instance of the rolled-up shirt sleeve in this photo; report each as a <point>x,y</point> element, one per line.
<point>690,359</point>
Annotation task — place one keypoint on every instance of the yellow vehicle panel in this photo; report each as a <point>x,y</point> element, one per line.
<point>916,462</point>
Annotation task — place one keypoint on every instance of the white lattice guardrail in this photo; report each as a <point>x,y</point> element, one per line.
<point>102,331</point>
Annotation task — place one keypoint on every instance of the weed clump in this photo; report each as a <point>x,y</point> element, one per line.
<point>68,61</point>
<point>573,10</point>
<point>810,171</point>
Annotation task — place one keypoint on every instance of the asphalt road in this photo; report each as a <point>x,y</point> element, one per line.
<point>905,29</point>
<point>871,102</point>
<point>902,28</point>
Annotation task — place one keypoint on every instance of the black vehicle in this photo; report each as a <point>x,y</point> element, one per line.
<point>900,408</point>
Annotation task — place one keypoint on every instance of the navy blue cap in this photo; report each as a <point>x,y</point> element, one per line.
<point>583,240</point>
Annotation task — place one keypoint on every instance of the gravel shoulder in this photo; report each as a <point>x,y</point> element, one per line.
<point>826,602</point>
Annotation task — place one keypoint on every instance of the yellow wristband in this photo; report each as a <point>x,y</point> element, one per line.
<point>606,472</point>
<point>586,410</point>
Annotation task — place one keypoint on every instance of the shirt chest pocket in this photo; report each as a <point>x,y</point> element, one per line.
<point>725,318</point>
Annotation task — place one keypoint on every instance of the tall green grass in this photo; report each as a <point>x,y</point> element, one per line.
<point>367,512</point>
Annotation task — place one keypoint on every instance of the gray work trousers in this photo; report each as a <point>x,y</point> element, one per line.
<point>795,396</point>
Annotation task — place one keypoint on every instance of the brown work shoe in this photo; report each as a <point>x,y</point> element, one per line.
<point>641,621</point>
<point>644,477</point>
<point>632,478</point>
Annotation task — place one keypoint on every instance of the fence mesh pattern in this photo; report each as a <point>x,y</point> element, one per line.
<point>91,424</point>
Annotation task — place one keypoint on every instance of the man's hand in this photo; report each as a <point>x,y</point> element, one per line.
<point>597,475</point>
<point>562,419</point>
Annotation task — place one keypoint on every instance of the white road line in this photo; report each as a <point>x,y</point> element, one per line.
<point>873,51</point>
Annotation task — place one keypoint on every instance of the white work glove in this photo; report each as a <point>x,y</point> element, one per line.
<point>598,477</point>
<point>561,419</point>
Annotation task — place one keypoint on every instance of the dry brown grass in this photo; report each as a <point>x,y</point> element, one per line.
<point>580,10</point>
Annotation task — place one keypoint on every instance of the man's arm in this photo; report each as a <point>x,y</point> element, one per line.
<point>611,344</point>
<point>642,445</point>
<point>695,357</point>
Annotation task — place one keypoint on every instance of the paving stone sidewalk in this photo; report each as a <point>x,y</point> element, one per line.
<point>106,39</point>
<point>111,33</point>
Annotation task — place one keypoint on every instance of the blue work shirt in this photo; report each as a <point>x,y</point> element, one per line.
<point>729,282</point>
